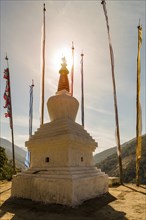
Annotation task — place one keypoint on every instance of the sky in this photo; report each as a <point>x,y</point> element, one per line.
<point>82,22</point>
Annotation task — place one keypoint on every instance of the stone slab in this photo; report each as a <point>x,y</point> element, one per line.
<point>112,181</point>
<point>69,187</point>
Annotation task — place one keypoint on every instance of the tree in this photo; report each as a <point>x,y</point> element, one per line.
<point>6,170</point>
<point>3,158</point>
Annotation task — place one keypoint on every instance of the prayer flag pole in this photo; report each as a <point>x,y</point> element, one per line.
<point>31,109</point>
<point>43,68</point>
<point>8,105</point>
<point>115,96</point>
<point>28,154</point>
<point>138,108</point>
<point>72,70</point>
<point>82,90</point>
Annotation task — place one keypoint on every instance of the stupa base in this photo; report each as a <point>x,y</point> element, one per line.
<point>68,186</point>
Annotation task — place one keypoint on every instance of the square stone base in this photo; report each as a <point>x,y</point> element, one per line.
<point>68,187</point>
<point>112,181</point>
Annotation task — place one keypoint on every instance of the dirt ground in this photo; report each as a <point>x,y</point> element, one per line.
<point>122,202</point>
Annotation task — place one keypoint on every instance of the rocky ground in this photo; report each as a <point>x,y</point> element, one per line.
<point>122,202</point>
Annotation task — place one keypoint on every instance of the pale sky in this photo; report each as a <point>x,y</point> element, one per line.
<point>84,23</point>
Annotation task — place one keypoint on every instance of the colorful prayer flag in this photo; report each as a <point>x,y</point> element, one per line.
<point>8,106</point>
<point>7,96</point>
<point>28,154</point>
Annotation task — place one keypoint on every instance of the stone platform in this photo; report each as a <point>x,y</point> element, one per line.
<point>61,185</point>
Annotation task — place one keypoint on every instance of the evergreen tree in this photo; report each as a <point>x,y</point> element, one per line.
<point>6,170</point>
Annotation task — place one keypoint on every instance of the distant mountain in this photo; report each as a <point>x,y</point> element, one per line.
<point>104,154</point>
<point>99,157</point>
<point>20,153</point>
<point>110,164</point>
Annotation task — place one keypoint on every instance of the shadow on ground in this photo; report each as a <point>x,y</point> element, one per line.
<point>136,190</point>
<point>97,208</point>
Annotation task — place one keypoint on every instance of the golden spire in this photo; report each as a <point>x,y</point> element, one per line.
<point>63,80</point>
<point>63,69</point>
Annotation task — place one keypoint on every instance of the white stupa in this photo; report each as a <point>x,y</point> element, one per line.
<point>62,170</point>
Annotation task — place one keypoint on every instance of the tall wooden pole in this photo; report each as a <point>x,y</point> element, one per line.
<point>115,96</point>
<point>43,69</point>
<point>11,121</point>
<point>31,109</point>
<point>72,70</point>
<point>82,90</point>
<point>138,113</point>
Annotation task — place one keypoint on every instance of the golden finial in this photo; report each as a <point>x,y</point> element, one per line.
<point>63,80</point>
<point>63,69</point>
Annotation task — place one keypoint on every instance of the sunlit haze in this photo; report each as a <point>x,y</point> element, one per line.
<point>62,52</point>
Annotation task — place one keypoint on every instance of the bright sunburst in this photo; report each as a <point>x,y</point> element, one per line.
<point>62,52</point>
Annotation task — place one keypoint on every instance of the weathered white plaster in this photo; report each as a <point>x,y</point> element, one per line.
<point>62,168</point>
<point>69,186</point>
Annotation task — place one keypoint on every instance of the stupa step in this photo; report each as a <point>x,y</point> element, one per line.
<point>67,175</point>
<point>65,140</point>
<point>61,123</point>
<point>62,171</point>
<point>60,130</point>
<point>60,133</point>
<point>68,169</point>
<point>56,128</point>
<point>61,176</point>
<point>63,127</point>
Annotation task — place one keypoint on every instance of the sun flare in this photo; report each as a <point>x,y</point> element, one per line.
<point>63,52</point>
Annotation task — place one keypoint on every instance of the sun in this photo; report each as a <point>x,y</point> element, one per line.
<point>62,52</point>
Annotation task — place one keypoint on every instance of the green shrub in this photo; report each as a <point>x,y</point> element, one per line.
<point>6,169</point>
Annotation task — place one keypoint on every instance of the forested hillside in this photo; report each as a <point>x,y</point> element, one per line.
<point>110,164</point>
<point>6,170</point>
<point>20,153</point>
